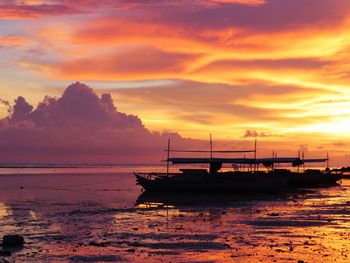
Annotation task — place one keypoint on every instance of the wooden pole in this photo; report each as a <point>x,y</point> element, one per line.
<point>243,164</point>
<point>298,160</point>
<point>255,164</point>
<point>327,160</point>
<point>167,160</point>
<point>211,147</point>
<point>303,156</point>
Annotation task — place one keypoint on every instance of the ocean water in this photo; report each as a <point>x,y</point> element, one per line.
<point>99,214</point>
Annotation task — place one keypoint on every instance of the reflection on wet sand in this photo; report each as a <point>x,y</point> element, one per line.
<point>96,222</point>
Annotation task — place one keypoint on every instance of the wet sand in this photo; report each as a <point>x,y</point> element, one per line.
<point>104,217</point>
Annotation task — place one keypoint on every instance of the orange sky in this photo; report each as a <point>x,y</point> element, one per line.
<point>279,68</point>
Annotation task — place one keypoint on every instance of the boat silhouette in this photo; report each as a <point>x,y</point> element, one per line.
<point>238,181</point>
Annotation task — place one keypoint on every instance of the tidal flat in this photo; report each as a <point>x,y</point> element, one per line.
<point>75,215</point>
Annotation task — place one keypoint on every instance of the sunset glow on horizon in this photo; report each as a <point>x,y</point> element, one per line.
<point>240,69</point>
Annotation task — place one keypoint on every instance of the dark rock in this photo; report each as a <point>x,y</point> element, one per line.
<point>274,214</point>
<point>131,250</point>
<point>97,244</point>
<point>300,261</point>
<point>12,240</point>
<point>5,253</point>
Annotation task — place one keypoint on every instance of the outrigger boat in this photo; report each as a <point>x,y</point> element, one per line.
<point>236,181</point>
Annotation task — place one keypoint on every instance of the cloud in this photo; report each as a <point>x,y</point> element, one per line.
<point>27,9</point>
<point>21,110</point>
<point>198,108</point>
<point>194,40</point>
<point>127,63</point>
<point>7,105</point>
<point>242,2</point>
<point>274,15</point>
<point>11,41</point>
<point>80,107</point>
<point>254,133</point>
<point>15,10</point>
<point>4,102</point>
<point>265,64</point>
<point>78,126</point>
<point>184,3</point>
<point>254,40</point>
<point>215,99</point>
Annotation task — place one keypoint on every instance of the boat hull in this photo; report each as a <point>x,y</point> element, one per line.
<point>232,183</point>
<point>313,180</point>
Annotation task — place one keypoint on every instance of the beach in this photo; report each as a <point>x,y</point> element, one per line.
<point>101,215</point>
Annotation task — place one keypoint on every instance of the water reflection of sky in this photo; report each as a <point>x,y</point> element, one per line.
<point>104,217</point>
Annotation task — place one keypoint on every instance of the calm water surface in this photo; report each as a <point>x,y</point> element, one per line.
<point>101,215</point>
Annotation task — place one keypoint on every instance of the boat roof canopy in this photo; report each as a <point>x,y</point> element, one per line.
<point>265,161</point>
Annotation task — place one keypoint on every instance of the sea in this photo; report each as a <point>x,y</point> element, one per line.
<point>97,213</point>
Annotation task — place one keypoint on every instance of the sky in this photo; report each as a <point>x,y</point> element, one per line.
<point>275,70</point>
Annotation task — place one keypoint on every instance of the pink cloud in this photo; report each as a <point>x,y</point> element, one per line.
<point>242,2</point>
<point>78,127</point>
<point>254,133</point>
<point>136,62</point>
<point>12,10</point>
<point>11,41</point>
<point>272,15</point>
<point>21,110</point>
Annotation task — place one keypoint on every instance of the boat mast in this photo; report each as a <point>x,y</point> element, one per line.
<point>211,148</point>
<point>327,161</point>
<point>303,157</point>
<point>255,164</point>
<point>167,160</point>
